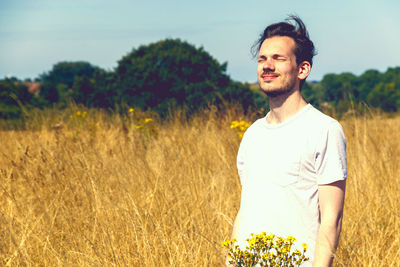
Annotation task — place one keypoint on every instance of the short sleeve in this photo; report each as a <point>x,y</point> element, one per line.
<point>331,161</point>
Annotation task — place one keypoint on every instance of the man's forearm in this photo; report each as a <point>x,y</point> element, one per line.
<point>331,201</point>
<point>327,241</point>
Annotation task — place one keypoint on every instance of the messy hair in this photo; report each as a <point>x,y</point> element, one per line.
<point>304,49</point>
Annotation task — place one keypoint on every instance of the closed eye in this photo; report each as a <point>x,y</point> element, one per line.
<point>279,57</point>
<point>261,59</point>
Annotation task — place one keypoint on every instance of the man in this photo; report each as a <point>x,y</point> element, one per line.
<point>292,162</point>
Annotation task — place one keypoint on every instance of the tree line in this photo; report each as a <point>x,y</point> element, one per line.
<point>173,74</point>
<point>347,91</point>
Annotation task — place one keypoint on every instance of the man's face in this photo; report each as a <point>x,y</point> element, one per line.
<point>277,68</point>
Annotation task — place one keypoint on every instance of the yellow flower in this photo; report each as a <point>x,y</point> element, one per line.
<point>240,127</point>
<point>252,241</point>
<point>234,124</point>
<point>131,110</point>
<point>147,120</point>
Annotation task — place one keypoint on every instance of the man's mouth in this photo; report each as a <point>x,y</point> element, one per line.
<point>269,76</point>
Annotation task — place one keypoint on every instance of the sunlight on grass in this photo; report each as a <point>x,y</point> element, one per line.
<point>130,189</point>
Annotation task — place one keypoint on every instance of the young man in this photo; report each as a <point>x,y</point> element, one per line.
<point>292,162</point>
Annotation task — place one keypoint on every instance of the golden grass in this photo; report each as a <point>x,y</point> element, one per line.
<point>81,194</point>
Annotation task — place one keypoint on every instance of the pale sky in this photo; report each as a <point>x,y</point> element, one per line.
<point>350,35</point>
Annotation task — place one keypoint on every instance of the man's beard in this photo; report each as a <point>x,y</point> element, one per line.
<point>279,92</point>
<point>287,88</point>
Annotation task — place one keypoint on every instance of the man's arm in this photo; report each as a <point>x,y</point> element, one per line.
<point>331,202</point>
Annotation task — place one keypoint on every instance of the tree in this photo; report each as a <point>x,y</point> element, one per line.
<point>339,87</point>
<point>392,75</point>
<point>13,93</point>
<point>57,83</point>
<point>173,73</point>
<point>312,93</point>
<point>368,80</point>
<point>385,96</point>
<point>97,91</point>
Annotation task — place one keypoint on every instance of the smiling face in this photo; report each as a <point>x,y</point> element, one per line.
<point>278,72</point>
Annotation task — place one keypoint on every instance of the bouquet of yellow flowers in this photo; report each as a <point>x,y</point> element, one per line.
<point>266,250</point>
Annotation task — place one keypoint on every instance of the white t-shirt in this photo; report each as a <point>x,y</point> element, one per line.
<point>280,167</point>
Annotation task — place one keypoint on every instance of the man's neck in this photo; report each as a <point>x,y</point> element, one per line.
<point>285,106</point>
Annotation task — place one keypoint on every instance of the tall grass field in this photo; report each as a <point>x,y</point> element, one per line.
<point>86,188</point>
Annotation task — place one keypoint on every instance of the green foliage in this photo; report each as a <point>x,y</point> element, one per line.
<point>240,93</point>
<point>9,111</point>
<point>312,93</point>
<point>368,80</point>
<point>165,73</point>
<point>392,75</point>
<point>385,96</point>
<point>346,91</point>
<point>57,83</point>
<point>337,87</point>
<point>65,72</point>
<point>13,94</point>
<point>160,76</point>
<point>95,91</point>
<point>174,73</point>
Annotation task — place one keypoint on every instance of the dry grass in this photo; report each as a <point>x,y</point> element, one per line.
<point>82,194</point>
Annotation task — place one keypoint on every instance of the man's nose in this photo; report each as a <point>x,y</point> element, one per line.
<point>268,65</point>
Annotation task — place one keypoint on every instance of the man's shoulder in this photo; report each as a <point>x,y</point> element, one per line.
<point>319,124</point>
<point>319,119</point>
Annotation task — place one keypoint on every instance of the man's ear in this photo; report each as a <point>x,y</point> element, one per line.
<point>304,70</point>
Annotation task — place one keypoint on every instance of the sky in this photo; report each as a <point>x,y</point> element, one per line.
<point>349,35</point>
